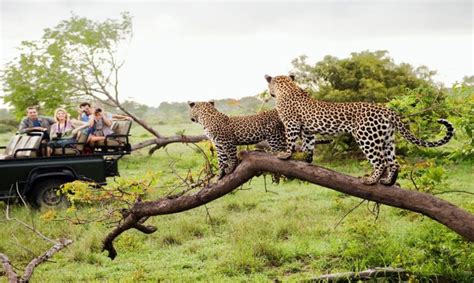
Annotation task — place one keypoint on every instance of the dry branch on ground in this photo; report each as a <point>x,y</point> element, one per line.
<point>13,276</point>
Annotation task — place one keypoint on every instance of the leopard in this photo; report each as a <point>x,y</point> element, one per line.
<point>228,132</point>
<point>372,125</point>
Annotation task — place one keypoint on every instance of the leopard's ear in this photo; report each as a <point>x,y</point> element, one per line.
<point>211,102</point>
<point>268,78</point>
<point>191,104</point>
<point>292,77</point>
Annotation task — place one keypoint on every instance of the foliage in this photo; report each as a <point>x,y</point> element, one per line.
<point>102,204</point>
<point>117,193</point>
<point>365,76</point>
<point>7,122</point>
<point>70,60</point>
<point>427,176</point>
<point>461,101</point>
<point>6,128</point>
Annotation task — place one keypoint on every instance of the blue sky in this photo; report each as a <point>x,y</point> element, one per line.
<point>208,50</point>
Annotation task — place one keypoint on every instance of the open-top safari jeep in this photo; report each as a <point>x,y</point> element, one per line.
<point>26,172</point>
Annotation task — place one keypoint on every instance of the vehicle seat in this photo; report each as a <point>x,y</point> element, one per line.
<point>74,149</point>
<point>121,130</point>
<point>24,146</point>
<point>28,142</point>
<point>10,148</point>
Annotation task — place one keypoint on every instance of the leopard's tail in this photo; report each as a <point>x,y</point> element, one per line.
<point>405,132</point>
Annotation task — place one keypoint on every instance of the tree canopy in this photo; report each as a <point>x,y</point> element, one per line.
<point>364,76</point>
<point>76,58</point>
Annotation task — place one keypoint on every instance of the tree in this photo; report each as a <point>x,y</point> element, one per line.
<point>78,58</point>
<point>36,78</point>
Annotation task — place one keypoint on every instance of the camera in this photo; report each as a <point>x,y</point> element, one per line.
<point>59,135</point>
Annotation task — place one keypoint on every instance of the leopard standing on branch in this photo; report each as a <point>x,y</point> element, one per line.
<point>371,125</point>
<point>228,132</point>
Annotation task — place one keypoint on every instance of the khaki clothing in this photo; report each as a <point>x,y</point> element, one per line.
<point>27,123</point>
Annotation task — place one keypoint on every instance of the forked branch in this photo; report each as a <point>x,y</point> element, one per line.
<point>13,276</point>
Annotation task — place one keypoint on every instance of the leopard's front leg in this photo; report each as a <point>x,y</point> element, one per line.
<point>221,160</point>
<point>292,130</point>
<point>231,151</point>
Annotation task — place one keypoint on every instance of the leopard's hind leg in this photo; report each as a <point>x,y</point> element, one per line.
<point>226,157</point>
<point>392,165</point>
<point>373,151</point>
<point>222,159</point>
<point>309,141</point>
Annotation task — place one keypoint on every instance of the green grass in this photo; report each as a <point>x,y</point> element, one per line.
<point>287,233</point>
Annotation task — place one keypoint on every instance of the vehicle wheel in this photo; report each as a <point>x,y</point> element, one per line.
<point>45,194</point>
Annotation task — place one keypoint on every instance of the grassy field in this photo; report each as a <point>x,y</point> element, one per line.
<point>286,231</point>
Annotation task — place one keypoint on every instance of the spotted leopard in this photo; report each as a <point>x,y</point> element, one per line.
<point>371,125</point>
<point>228,132</point>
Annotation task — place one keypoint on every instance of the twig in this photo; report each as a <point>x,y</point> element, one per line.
<point>7,215</point>
<point>375,210</point>
<point>265,185</point>
<point>62,243</point>
<point>413,179</point>
<point>349,212</point>
<point>449,192</point>
<point>11,275</point>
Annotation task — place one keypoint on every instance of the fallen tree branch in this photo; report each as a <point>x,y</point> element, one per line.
<point>62,243</point>
<point>370,274</point>
<point>254,163</point>
<point>8,268</point>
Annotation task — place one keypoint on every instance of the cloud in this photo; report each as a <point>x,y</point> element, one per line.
<point>200,51</point>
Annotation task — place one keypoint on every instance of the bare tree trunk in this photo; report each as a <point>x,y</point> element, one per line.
<point>254,163</point>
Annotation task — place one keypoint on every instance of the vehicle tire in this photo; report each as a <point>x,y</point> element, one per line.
<point>45,194</point>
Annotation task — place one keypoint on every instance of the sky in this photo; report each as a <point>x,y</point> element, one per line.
<point>199,51</point>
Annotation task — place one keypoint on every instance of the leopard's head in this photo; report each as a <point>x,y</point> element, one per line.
<point>280,84</point>
<point>197,108</point>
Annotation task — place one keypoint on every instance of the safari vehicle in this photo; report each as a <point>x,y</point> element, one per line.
<point>26,172</point>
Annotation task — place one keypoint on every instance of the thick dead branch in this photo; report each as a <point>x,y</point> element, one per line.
<point>254,163</point>
<point>370,274</point>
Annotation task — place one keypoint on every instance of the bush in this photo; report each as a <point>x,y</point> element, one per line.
<point>6,128</point>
